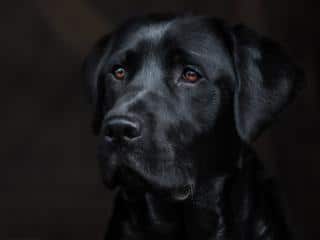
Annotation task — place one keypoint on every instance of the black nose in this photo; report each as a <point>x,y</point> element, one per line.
<point>122,129</point>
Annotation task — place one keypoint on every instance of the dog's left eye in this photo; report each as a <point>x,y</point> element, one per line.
<point>190,75</point>
<point>119,72</point>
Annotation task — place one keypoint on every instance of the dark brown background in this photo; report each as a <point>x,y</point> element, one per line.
<point>50,184</point>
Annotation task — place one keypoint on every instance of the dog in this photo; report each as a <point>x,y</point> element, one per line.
<point>177,101</point>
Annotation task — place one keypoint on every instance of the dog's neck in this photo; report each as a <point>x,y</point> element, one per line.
<point>220,206</point>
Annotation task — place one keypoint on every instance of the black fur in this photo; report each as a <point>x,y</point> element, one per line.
<point>191,173</point>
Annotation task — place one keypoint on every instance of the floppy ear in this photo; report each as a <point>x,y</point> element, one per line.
<point>267,80</point>
<point>94,84</point>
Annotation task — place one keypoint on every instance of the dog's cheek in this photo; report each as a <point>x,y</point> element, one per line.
<point>205,109</point>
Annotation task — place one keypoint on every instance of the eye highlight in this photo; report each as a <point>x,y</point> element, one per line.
<point>119,72</point>
<point>190,75</point>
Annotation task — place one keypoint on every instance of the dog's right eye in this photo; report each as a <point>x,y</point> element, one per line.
<point>191,76</point>
<point>119,72</point>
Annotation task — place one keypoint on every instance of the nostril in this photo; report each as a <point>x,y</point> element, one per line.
<point>122,129</point>
<point>109,132</point>
<point>131,131</point>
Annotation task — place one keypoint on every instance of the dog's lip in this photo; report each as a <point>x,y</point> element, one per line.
<point>111,180</point>
<point>182,193</point>
<point>178,193</point>
<point>110,171</point>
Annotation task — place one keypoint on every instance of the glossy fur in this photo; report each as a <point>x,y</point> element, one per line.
<point>191,174</point>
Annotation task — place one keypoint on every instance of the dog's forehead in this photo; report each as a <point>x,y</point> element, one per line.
<point>192,34</point>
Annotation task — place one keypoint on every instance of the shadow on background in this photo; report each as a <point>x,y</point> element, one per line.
<point>50,183</point>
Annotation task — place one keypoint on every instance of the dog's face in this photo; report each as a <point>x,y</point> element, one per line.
<point>167,91</point>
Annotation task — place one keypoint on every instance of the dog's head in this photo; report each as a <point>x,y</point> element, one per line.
<point>169,93</point>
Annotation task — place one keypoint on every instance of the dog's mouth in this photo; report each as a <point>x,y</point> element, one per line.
<point>127,168</point>
<point>137,183</point>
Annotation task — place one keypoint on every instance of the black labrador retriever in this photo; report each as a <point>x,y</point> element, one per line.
<point>177,101</point>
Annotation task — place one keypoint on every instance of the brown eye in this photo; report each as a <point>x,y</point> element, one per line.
<point>119,72</point>
<point>190,75</point>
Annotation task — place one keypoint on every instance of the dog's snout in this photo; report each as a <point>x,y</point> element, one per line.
<point>122,129</point>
